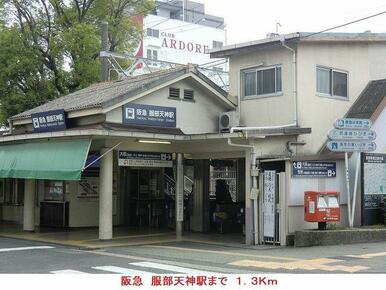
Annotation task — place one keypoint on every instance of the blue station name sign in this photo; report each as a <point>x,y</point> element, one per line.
<point>137,114</point>
<point>49,121</point>
<point>313,169</point>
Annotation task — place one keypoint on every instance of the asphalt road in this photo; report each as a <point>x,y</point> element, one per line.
<point>20,256</point>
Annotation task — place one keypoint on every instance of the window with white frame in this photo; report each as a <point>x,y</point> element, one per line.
<point>152,32</point>
<point>217,44</point>
<point>261,81</point>
<point>152,54</point>
<point>331,82</point>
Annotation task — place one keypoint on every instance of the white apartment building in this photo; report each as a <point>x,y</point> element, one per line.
<point>180,32</point>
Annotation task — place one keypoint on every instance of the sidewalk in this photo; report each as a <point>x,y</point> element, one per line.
<point>87,238</point>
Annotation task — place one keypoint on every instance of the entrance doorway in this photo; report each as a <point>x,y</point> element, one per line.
<point>146,203</point>
<point>272,201</point>
<point>226,199</point>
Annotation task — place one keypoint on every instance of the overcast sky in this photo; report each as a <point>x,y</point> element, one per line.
<point>252,19</point>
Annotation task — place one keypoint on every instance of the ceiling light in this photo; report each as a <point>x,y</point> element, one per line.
<point>155,141</point>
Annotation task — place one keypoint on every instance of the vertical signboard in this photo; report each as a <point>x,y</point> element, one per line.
<point>373,188</point>
<point>180,206</point>
<point>269,203</point>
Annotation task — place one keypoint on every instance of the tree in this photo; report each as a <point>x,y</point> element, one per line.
<point>51,47</point>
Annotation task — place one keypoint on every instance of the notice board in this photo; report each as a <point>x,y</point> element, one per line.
<point>373,167</point>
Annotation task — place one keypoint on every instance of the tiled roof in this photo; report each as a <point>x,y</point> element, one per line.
<point>369,100</point>
<point>107,93</point>
<point>366,104</point>
<point>276,39</point>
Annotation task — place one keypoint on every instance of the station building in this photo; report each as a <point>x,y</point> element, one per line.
<point>172,150</point>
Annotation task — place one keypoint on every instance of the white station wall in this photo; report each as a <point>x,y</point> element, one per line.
<point>296,196</point>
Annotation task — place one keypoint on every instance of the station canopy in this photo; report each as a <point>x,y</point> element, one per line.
<point>55,160</point>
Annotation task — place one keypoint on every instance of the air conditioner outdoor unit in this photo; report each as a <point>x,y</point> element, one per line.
<point>227,120</point>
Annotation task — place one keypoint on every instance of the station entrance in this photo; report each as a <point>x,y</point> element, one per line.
<point>214,196</point>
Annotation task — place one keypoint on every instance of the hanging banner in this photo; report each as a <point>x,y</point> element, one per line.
<point>269,203</point>
<point>144,159</point>
<point>137,114</point>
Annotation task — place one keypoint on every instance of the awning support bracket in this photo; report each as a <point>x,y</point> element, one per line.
<point>91,163</point>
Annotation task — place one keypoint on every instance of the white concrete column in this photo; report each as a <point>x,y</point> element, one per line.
<point>179,196</point>
<point>249,229</point>
<point>106,195</point>
<point>29,205</point>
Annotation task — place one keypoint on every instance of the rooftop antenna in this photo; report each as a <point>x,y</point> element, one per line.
<point>277,27</point>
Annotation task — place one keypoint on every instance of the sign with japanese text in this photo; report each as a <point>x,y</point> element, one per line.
<point>144,159</point>
<point>137,114</point>
<point>351,123</point>
<point>351,146</point>
<point>269,203</point>
<point>313,169</point>
<point>49,121</point>
<point>365,135</point>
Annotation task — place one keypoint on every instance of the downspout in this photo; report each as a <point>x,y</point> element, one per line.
<point>295,78</point>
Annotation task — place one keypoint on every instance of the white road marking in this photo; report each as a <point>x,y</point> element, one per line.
<point>68,271</point>
<point>168,268</point>
<point>25,248</point>
<point>121,270</point>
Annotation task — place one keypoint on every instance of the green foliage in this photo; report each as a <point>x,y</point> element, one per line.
<point>51,47</point>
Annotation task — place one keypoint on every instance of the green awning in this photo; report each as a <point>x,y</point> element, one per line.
<point>58,160</point>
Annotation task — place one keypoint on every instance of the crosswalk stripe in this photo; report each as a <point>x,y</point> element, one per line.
<point>121,270</point>
<point>67,271</point>
<point>168,267</point>
<point>25,248</point>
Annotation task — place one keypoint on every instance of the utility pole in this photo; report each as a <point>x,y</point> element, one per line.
<point>105,48</point>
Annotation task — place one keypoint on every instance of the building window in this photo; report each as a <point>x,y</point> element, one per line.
<point>188,95</point>
<point>152,54</point>
<point>12,191</point>
<point>54,190</point>
<point>174,93</point>
<point>217,44</point>
<point>331,82</point>
<point>261,81</point>
<point>152,32</point>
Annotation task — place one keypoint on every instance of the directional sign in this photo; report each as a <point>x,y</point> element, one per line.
<point>351,146</point>
<point>359,135</point>
<point>313,169</point>
<point>349,123</point>
<point>144,159</point>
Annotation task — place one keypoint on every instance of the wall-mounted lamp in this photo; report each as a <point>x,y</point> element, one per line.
<point>154,141</point>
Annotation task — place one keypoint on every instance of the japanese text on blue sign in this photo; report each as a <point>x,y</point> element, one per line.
<point>351,123</point>
<point>136,114</point>
<point>313,169</point>
<point>49,121</point>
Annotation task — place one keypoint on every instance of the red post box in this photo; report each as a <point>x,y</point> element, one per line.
<point>321,207</point>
